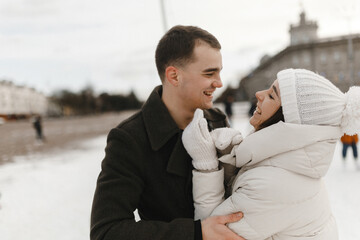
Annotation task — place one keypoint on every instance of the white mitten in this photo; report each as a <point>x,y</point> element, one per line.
<point>230,158</point>
<point>199,144</point>
<point>225,138</point>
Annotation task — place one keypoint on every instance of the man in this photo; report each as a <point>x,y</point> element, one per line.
<point>146,166</point>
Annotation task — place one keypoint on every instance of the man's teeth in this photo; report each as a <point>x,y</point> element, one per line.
<point>208,93</point>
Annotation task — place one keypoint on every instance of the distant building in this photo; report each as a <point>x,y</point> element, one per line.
<point>336,58</point>
<point>20,101</point>
<point>305,32</point>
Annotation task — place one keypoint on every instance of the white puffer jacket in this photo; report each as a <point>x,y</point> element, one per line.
<point>279,187</point>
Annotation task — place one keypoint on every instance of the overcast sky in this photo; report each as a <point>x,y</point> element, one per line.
<point>110,44</point>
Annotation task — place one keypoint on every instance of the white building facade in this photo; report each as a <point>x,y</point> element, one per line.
<point>19,100</point>
<point>335,58</point>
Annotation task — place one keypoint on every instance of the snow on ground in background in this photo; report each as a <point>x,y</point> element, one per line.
<point>343,185</point>
<point>49,196</point>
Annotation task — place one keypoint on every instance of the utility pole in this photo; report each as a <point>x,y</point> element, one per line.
<point>163,13</point>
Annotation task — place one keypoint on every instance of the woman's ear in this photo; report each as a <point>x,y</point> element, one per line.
<point>171,75</point>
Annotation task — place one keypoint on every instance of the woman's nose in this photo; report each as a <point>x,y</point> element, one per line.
<point>259,95</point>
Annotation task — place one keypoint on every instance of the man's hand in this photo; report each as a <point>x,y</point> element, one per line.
<point>214,228</point>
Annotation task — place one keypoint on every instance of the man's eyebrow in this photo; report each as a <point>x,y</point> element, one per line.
<point>275,90</point>
<point>212,70</point>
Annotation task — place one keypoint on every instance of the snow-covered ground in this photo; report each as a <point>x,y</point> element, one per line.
<point>49,196</point>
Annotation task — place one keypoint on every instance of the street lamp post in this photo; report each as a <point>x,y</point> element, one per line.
<point>163,15</point>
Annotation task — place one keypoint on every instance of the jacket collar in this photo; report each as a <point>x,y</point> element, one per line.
<point>160,128</point>
<point>159,124</point>
<point>280,138</point>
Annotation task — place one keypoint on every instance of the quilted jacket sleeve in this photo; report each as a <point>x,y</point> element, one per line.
<point>270,204</point>
<point>259,220</point>
<point>208,192</point>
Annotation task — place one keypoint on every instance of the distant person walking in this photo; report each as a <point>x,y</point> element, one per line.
<point>38,127</point>
<point>228,106</point>
<point>349,141</point>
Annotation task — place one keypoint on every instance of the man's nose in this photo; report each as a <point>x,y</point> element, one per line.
<point>217,83</point>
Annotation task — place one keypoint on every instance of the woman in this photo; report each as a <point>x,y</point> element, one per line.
<point>279,187</point>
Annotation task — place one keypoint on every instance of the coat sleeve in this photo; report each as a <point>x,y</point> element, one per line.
<point>262,216</point>
<point>208,192</point>
<point>117,195</point>
<point>271,200</point>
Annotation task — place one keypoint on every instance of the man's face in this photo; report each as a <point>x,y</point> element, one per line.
<point>199,79</point>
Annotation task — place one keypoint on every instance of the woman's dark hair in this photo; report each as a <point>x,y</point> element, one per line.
<point>277,117</point>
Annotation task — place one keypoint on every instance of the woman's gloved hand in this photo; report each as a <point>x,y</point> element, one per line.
<point>199,143</point>
<point>226,139</point>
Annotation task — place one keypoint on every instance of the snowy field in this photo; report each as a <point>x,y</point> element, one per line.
<point>49,196</point>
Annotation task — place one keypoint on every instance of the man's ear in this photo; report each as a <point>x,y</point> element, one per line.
<point>171,75</point>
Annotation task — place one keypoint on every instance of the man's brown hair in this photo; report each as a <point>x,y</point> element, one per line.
<point>177,45</point>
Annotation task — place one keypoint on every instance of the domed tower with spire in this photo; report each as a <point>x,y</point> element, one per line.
<point>304,32</point>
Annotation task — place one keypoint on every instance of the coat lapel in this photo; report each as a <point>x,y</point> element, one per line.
<point>160,128</point>
<point>159,124</point>
<point>178,156</point>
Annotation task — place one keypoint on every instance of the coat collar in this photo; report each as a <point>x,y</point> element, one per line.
<point>280,138</point>
<point>160,128</point>
<point>159,124</point>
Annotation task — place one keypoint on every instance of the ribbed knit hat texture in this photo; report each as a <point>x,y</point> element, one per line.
<point>308,98</point>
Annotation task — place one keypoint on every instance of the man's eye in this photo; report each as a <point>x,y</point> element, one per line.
<point>209,74</point>
<point>271,96</point>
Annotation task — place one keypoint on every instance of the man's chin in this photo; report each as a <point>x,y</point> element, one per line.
<point>208,106</point>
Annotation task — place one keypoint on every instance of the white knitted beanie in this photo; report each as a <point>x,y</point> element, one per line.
<point>308,98</point>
